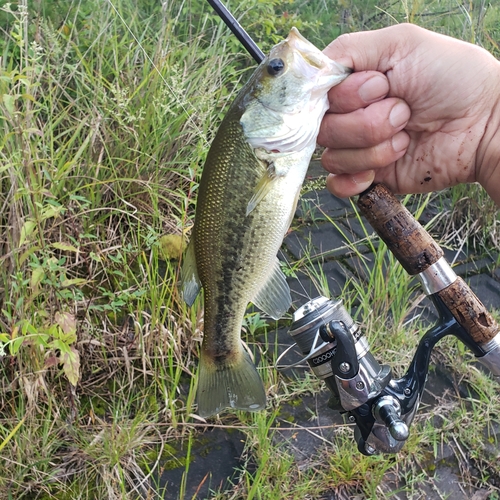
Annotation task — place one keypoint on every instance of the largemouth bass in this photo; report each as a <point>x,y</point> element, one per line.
<point>246,201</point>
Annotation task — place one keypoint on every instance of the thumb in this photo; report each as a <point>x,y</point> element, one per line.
<point>377,50</point>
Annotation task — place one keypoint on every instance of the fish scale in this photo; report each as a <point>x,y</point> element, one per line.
<point>246,200</point>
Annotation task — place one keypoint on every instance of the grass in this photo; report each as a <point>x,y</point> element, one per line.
<point>106,114</point>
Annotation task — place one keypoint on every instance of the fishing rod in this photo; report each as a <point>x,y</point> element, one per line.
<point>381,406</point>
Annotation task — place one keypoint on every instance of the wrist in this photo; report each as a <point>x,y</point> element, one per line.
<point>488,153</point>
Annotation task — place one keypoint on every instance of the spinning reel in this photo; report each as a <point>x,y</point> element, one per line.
<point>337,350</point>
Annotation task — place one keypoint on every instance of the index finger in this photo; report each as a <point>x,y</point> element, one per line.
<point>374,50</point>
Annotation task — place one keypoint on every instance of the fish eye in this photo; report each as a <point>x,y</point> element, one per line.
<point>275,67</point>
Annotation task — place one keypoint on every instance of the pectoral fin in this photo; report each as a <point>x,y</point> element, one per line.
<point>274,297</point>
<point>273,166</point>
<point>263,187</point>
<point>190,282</point>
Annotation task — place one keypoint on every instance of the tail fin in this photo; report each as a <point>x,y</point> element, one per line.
<point>234,385</point>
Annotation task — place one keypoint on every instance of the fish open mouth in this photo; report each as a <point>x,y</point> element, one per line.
<point>305,48</point>
<point>312,56</point>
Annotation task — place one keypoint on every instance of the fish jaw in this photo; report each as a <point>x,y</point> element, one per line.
<point>311,60</point>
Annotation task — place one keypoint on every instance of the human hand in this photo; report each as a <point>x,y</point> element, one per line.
<point>420,113</point>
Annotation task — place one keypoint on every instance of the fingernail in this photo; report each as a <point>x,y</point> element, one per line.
<point>365,177</point>
<point>400,114</point>
<point>400,141</point>
<point>373,89</point>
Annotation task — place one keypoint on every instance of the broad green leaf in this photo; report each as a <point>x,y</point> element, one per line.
<point>73,281</point>
<point>31,250</point>
<point>28,329</point>
<point>53,331</point>
<point>172,246</point>
<point>29,97</point>
<point>27,230</point>
<point>67,323</point>
<point>51,211</point>
<point>41,339</point>
<point>71,365</point>
<point>36,277</point>
<point>59,344</point>
<point>15,345</point>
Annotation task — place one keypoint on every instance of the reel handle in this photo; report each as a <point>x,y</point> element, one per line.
<point>417,251</point>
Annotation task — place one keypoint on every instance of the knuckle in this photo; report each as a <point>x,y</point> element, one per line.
<point>373,133</point>
<point>328,160</point>
<point>343,41</point>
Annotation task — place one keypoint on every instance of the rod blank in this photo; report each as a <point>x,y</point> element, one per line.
<point>237,30</point>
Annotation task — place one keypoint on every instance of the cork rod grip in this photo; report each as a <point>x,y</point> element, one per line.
<point>410,243</point>
<point>415,248</point>
<point>469,311</point>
